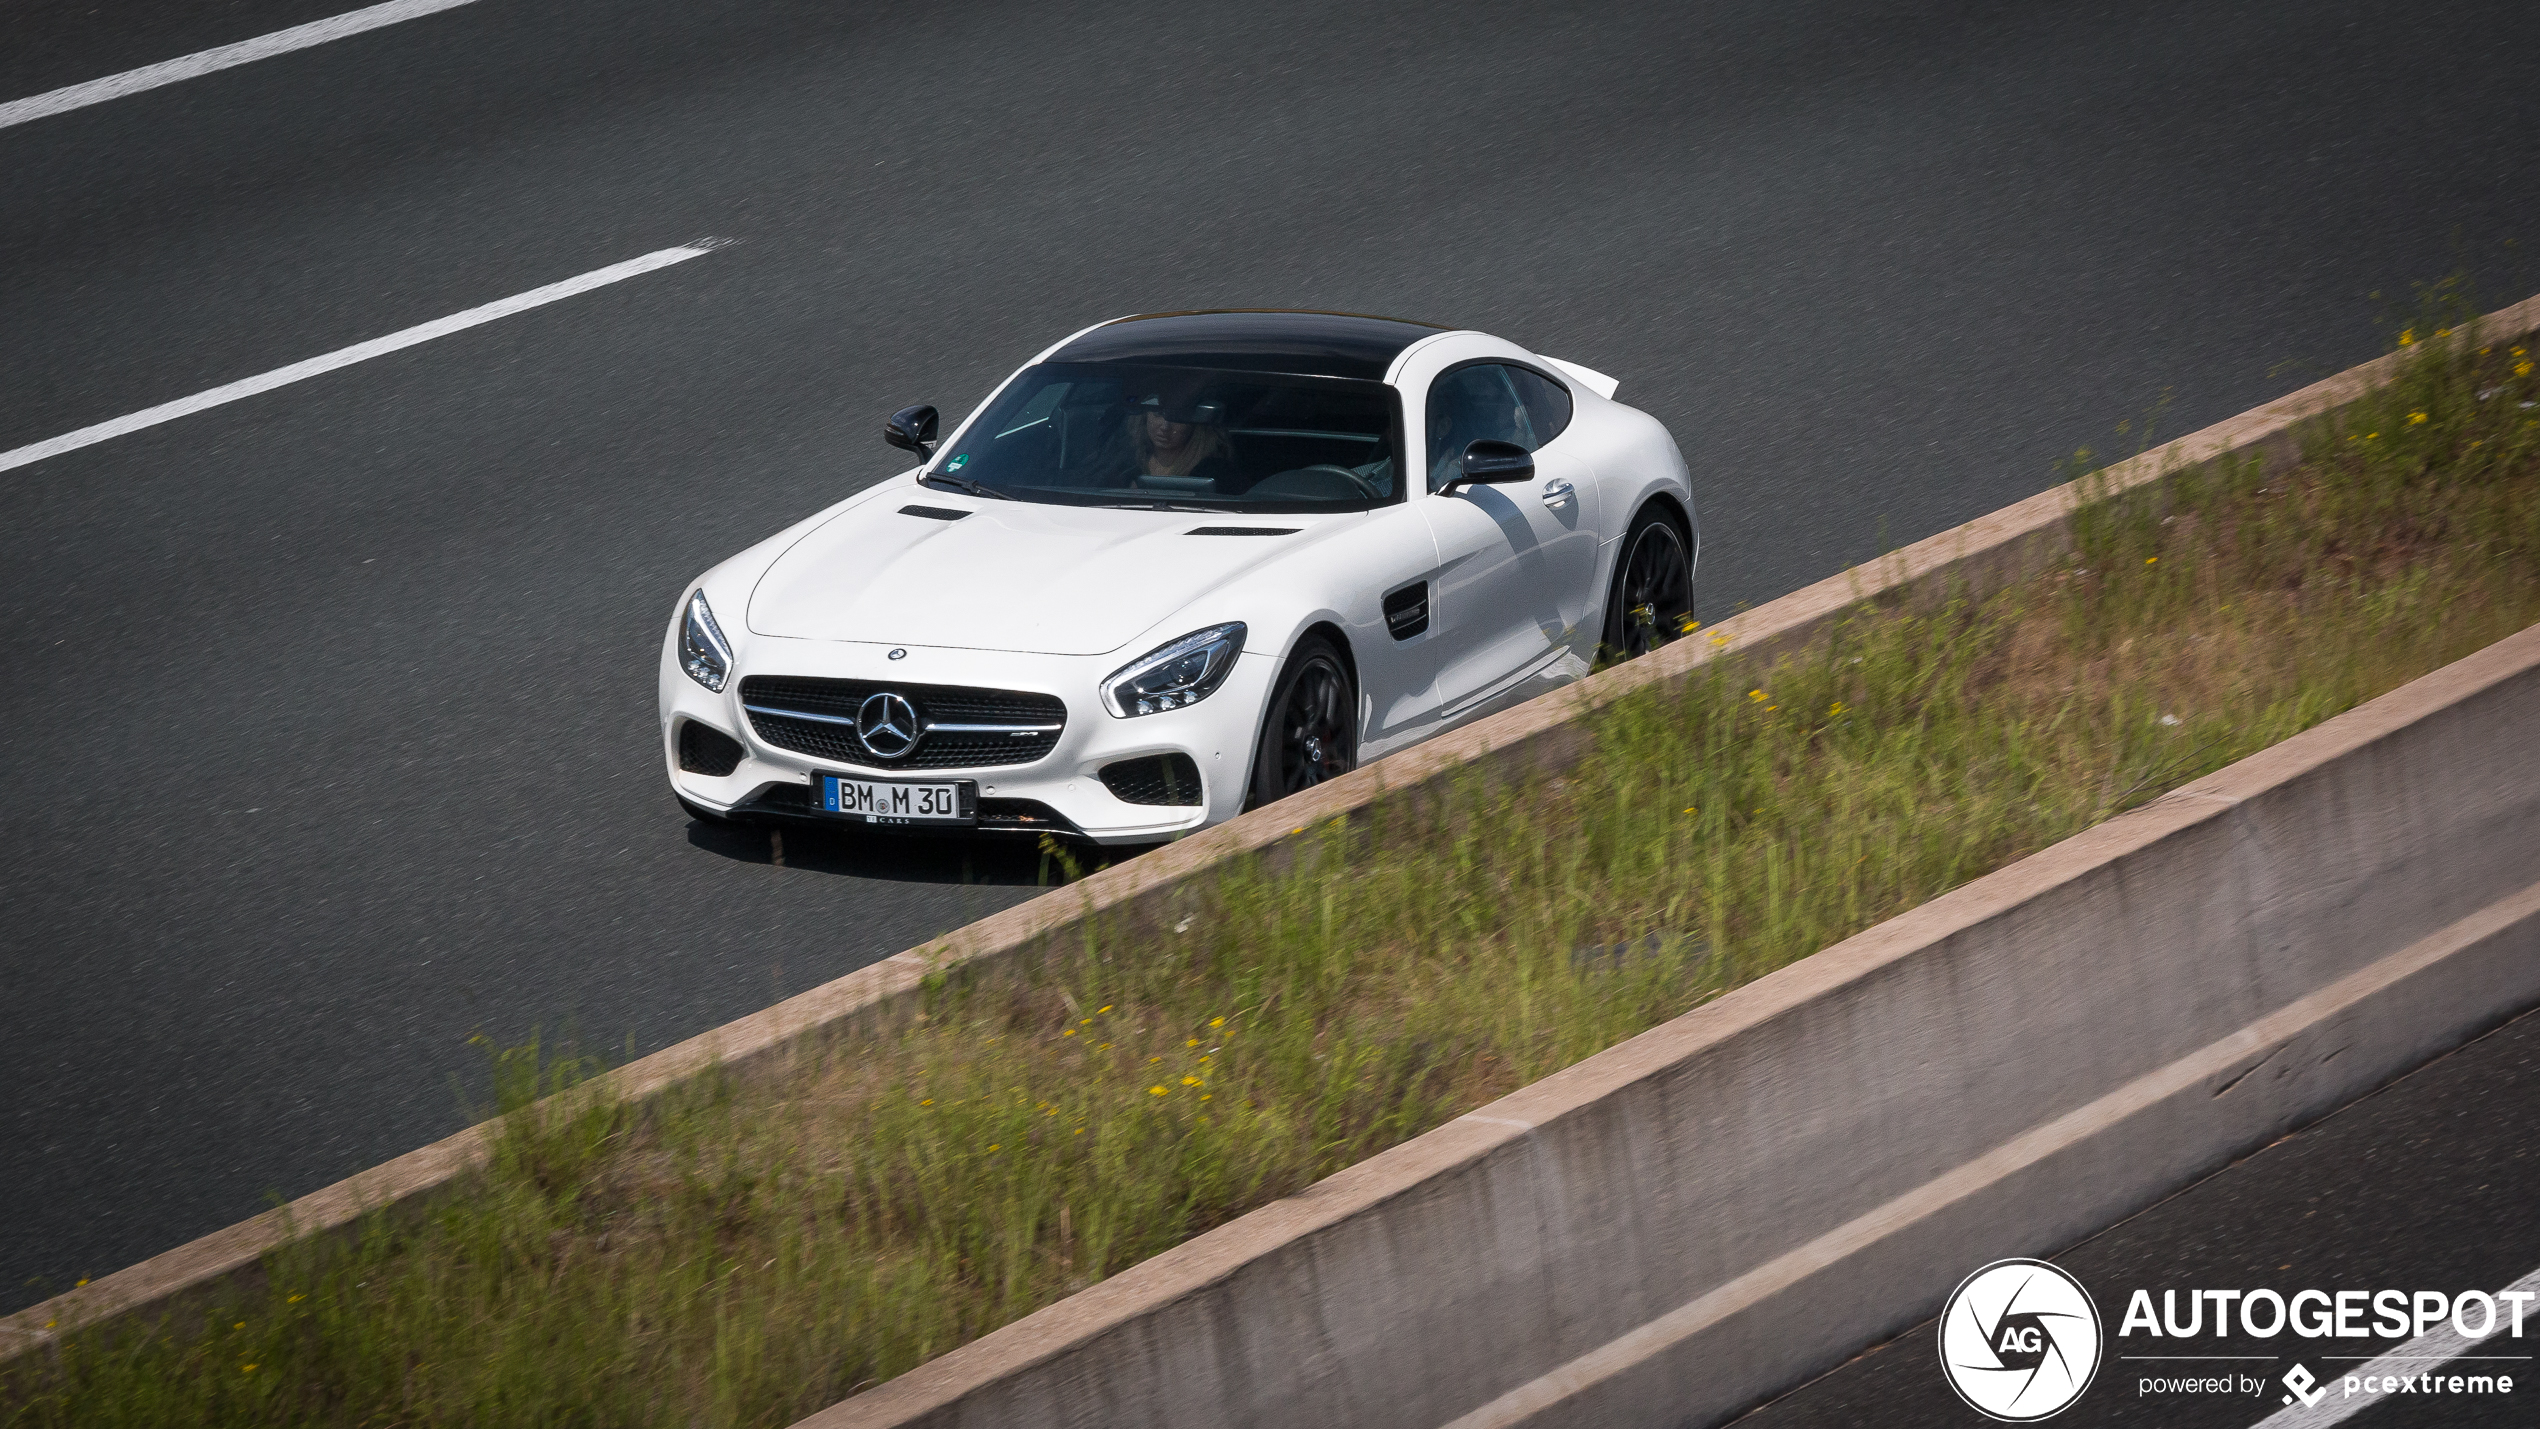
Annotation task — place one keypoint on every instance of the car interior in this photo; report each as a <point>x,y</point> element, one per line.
<point>1308,444</point>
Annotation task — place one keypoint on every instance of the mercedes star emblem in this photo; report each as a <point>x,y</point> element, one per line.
<point>887,724</point>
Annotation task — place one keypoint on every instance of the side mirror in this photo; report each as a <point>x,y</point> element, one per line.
<point>911,429</point>
<point>1487,462</point>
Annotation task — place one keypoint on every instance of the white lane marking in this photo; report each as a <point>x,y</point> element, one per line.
<point>202,62</point>
<point>358,352</point>
<point>2443,1344</point>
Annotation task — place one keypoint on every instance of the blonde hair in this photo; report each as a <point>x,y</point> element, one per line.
<point>1206,440</point>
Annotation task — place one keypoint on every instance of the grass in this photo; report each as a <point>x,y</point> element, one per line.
<point>744,1255</point>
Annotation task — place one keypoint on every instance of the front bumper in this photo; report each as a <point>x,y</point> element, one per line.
<point>1217,734</point>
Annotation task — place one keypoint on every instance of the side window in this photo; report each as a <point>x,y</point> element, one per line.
<point>1493,400</point>
<point>1466,406</point>
<point>1541,403</point>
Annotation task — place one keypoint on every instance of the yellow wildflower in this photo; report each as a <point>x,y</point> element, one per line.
<point>1156,1091</point>
<point>2416,419</point>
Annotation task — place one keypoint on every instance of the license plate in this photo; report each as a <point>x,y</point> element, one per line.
<point>875,801</point>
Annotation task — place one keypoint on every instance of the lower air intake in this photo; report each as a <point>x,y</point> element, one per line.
<point>1170,779</point>
<point>703,749</point>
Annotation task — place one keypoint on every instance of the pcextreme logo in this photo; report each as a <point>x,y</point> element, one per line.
<point>2019,1340</point>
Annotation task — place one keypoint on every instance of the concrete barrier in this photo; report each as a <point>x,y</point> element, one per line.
<point>1543,732</point>
<point>1714,1211</point>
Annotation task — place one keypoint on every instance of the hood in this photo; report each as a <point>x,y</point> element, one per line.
<point>1019,576</point>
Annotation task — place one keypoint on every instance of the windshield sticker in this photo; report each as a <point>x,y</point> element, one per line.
<point>957,463</point>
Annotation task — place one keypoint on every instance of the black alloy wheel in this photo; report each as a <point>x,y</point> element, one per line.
<point>1311,734</point>
<point>1652,602</point>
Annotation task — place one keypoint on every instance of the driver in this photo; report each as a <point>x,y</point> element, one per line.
<point>1180,440</point>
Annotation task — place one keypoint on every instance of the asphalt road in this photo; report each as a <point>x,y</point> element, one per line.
<point>2425,1185</point>
<point>332,733</point>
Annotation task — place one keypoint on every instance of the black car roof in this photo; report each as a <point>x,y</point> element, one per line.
<point>1254,340</point>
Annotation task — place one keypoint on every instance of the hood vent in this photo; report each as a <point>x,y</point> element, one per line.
<point>933,513</point>
<point>1242,531</point>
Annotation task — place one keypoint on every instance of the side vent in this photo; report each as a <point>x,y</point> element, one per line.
<point>1407,611</point>
<point>933,513</point>
<point>1241,531</point>
<point>703,749</point>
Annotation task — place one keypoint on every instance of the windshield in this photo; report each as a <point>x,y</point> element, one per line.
<point>1111,434</point>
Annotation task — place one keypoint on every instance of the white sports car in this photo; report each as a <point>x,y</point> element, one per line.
<point>1178,566</point>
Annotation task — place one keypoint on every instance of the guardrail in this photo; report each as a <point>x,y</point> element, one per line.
<point>1545,732</point>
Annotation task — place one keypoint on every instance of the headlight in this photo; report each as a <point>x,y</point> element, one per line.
<point>1183,673</point>
<point>703,652</point>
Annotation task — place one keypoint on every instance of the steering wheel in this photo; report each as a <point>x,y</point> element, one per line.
<point>1344,473</point>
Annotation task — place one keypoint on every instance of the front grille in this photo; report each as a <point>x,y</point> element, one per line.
<point>703,749</point>
<point>782,709</point>
<point>1156,779</point>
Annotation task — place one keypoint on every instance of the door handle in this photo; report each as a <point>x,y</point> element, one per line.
<point>1557,491</point>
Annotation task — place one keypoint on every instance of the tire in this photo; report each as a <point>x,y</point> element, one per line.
<point>1651,602</point>
<point>1309,731</point>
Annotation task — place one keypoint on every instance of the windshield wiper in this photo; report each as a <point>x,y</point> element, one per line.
<point>1158,506</point>
<point>962,483</point>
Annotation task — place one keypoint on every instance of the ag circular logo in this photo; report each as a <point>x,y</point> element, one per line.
<point>887,724</point>
<point>2019,1340</point>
